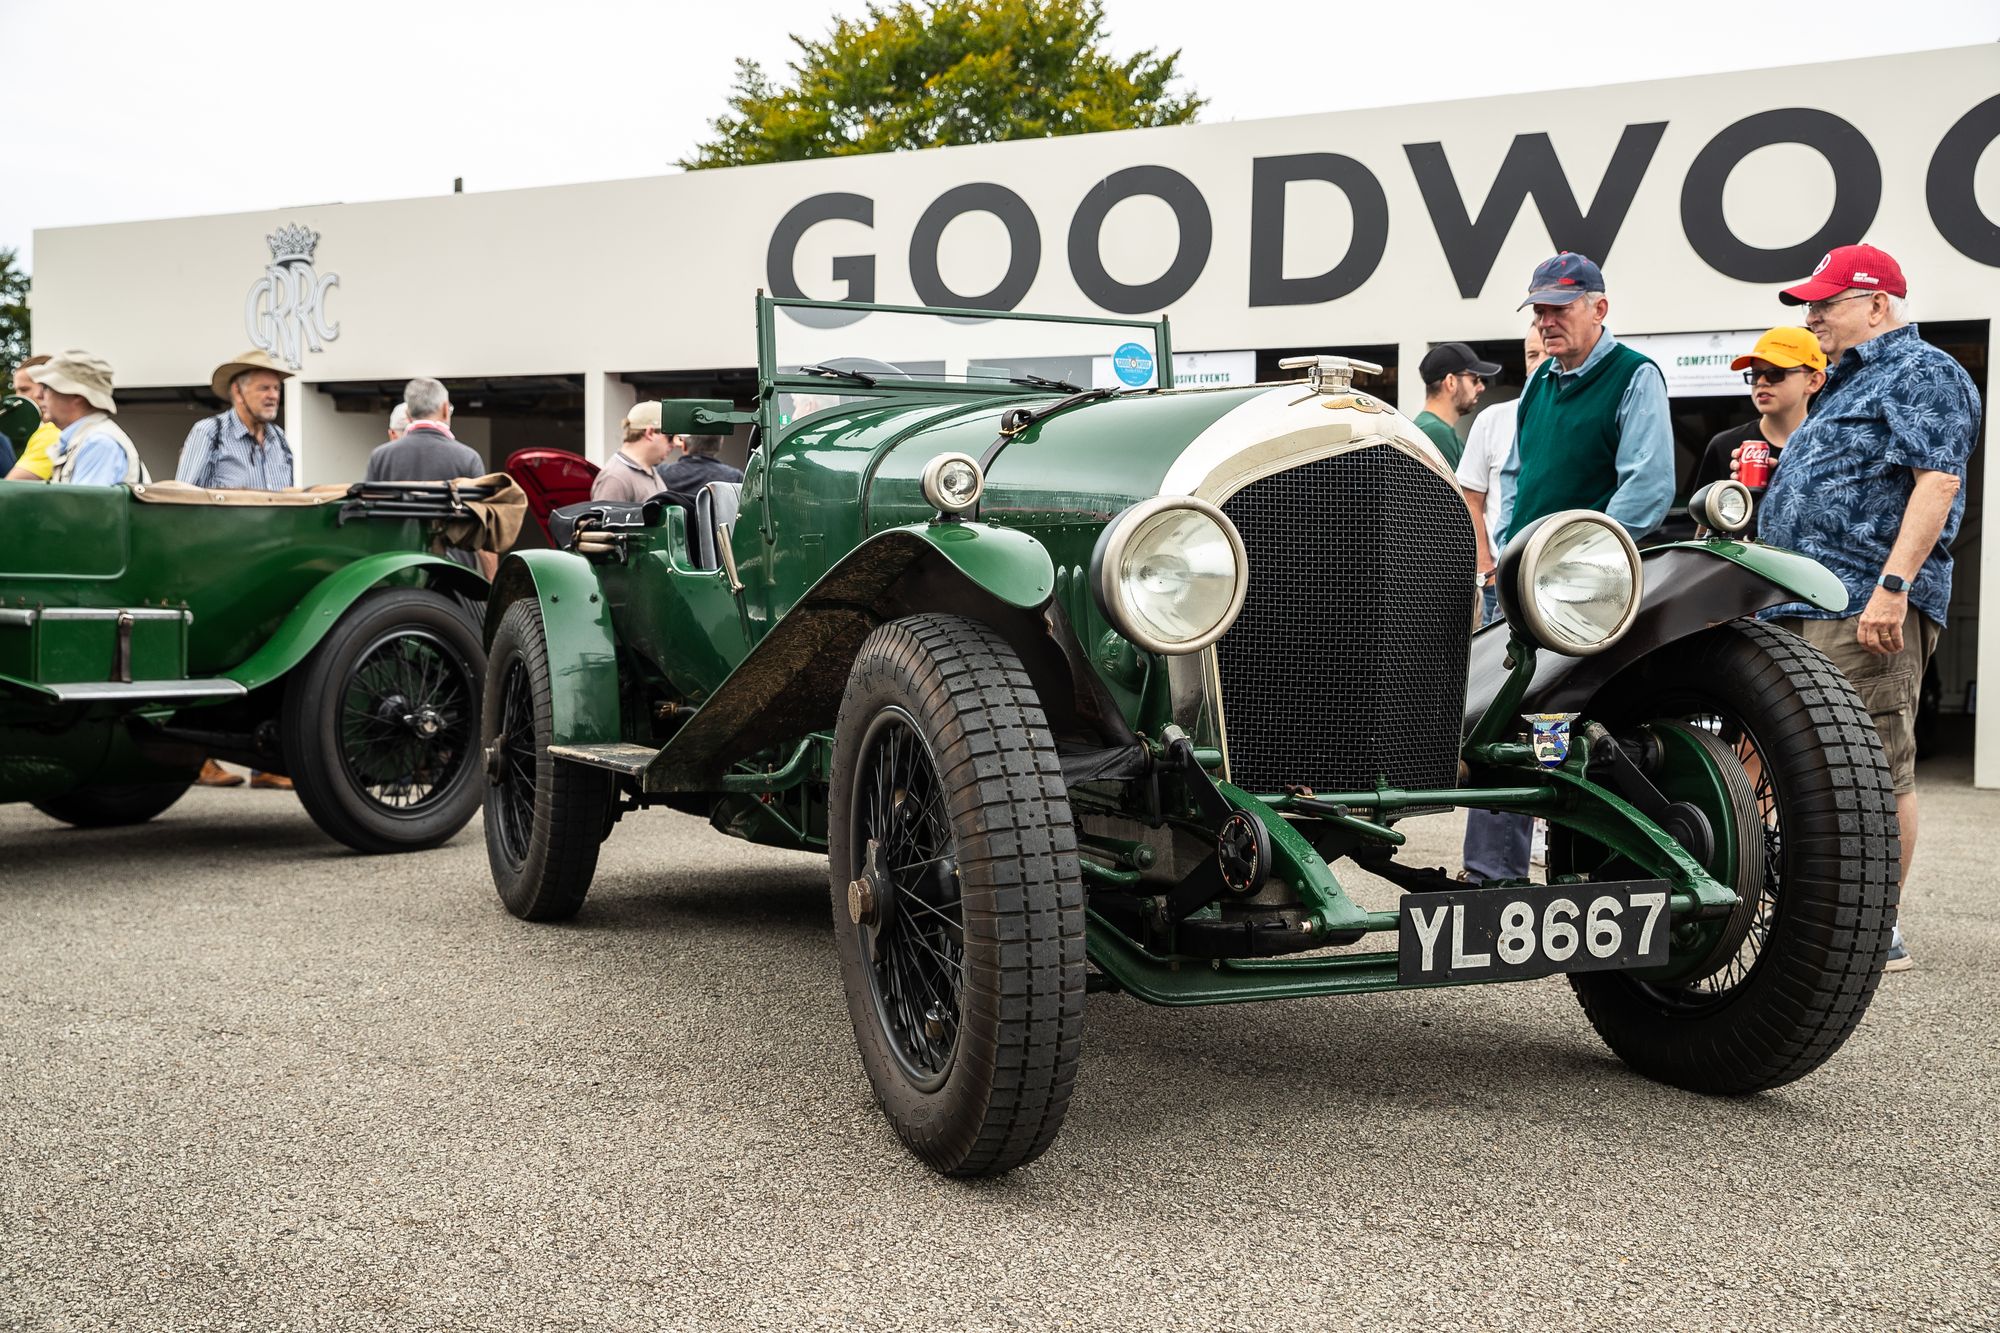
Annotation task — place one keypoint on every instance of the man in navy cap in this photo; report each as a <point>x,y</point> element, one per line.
<point>1592,432</point>
<point>1454,377</point>
<point>1594,428</point>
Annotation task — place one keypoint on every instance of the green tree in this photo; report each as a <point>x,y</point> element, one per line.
<point>950,72</point>
<point>14,341</point>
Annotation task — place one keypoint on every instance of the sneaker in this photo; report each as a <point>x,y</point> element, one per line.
<point>215,775</point>
<point>1899,959</point>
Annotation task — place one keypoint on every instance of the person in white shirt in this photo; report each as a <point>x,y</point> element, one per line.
<point>1486,449</point>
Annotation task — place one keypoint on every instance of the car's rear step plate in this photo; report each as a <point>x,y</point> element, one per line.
<point>618,756</point>
<point>136,691</point>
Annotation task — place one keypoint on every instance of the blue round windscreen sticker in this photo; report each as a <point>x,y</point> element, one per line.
<point>1133,363</point>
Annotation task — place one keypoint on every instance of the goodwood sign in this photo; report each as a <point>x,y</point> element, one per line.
<point>1471,241</point>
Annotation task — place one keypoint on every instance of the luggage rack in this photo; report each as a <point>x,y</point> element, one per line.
<point>410,499</point>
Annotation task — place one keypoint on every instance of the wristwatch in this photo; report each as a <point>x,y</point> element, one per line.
<point>1893,583</point>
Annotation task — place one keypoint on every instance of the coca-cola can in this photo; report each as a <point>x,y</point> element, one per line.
<point>1753,465</point>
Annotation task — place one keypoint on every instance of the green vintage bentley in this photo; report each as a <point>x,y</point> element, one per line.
<point>1091,688</point>
<point>309,633</point>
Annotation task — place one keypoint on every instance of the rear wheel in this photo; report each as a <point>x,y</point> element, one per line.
<point>1771,994</point>
<point>106,806</point>
<point>958,904</point>
<point>544,818</point>
<point>379,723</point>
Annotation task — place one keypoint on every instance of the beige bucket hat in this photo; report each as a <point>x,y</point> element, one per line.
<point>229,370</point>
<point>80,373</point>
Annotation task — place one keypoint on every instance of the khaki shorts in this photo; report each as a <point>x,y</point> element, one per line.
<point>1887,683</point>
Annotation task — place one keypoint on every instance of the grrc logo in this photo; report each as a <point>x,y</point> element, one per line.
<point>285,312</point>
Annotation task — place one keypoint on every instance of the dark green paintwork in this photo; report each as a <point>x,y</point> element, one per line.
<point>576,619</point>
<point>1802,574</point>
<point>262,584</point>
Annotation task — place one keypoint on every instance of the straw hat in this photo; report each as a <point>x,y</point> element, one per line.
<point>229,370</point>
<point>79,373</point>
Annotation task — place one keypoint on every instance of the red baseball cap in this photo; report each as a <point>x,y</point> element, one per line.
<point>1860,266</point>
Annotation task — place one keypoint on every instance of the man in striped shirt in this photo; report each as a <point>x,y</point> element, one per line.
<point>242,449</point>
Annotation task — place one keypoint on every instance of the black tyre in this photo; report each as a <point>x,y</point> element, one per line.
<point>544,819</point>
<point>957,901</point>
<point>113,806</point>
<point>1778,1002</point>
<point>380,723</point>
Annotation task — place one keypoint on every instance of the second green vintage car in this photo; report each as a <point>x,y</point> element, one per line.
<point>308,633</point>
<point>1086,688</point>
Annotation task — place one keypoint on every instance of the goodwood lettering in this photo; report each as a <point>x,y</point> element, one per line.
<point>1471,241</point>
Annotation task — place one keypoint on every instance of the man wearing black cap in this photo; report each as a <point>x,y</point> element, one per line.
<point>1453,380</point>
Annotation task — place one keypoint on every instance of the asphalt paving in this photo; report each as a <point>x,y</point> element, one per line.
<point>249,1080</point>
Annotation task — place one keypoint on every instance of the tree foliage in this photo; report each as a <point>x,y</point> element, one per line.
<point>950,72</point>
<point>14,340</point>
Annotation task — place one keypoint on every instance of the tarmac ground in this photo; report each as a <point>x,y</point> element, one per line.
<point>249,1080</point>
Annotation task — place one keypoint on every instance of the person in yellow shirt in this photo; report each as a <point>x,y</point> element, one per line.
<point>34,464</point>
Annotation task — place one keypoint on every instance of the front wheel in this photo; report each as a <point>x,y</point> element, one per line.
<point>380,723</point>
<point>1794,976</point>
<point>957,901</point>
<point>544,818</point>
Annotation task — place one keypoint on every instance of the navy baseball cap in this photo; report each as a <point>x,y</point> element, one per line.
<point>1560,280</point>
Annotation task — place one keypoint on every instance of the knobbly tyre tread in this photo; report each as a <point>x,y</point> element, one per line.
<point>1823,958</point>
<point>1022,895</point>
<point>571,800</point>
<point>311,745</point>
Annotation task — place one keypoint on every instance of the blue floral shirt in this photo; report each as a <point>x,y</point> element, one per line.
<point>1892,404</point>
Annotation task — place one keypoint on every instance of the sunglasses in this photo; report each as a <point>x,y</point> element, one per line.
<point>1774,374</point>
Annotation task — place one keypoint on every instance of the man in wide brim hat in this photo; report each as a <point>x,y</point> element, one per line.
<point>242,447</point>
<point>90,450</point>
<point>226,373</point>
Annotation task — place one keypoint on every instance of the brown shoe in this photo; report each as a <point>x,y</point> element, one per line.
<point>215,775</point>
<point>270,782</point>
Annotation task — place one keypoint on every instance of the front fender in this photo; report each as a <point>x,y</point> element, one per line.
<point>583,652</point>
<point>1690,587</point>
<point>792,681</point>
<point>300,632</point>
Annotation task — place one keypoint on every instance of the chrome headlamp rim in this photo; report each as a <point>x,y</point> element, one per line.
<point>1109,554</point>
<point>1705,506</point>
<point>1517,568</point>
<point>934,490</point>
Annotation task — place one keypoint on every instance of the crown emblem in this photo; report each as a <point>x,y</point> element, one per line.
<point>291,242</point>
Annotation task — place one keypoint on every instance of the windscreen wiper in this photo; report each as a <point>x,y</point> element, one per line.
<point>866,381</point>
<point>1038,382</point>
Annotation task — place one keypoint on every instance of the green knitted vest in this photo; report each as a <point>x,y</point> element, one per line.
<point>1568,433</point>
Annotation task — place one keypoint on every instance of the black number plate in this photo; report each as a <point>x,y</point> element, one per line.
<point>1509,933</point>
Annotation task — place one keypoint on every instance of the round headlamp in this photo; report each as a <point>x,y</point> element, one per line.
<point>1723,506</point>
<point>1571,582</point>
<point>1170,574</point>
<point>953,482</point>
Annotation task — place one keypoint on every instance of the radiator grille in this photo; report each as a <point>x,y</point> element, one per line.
<point>1348,662</point>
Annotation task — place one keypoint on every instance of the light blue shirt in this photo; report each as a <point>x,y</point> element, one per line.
<point>1645,447</point>
<point>221,454</point>
<point>100,460</point>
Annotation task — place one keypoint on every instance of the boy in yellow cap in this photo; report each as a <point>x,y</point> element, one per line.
<point>1784,370</point>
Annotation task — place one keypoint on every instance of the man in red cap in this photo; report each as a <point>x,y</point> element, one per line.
<point>1873,488</point>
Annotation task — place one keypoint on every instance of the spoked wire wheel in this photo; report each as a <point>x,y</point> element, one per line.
<point>379,723</point>
<point>957,900</point>
<point>510,805</point>
<point>406,720</point>
<point>1769,834</point>
<point>906,887</point>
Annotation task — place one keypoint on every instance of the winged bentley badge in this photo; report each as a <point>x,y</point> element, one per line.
<point>285,312</point>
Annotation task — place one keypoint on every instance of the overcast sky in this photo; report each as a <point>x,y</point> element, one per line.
<point>131,109</point>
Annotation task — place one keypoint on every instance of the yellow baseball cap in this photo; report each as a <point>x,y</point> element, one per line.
<point>1786,347</point>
